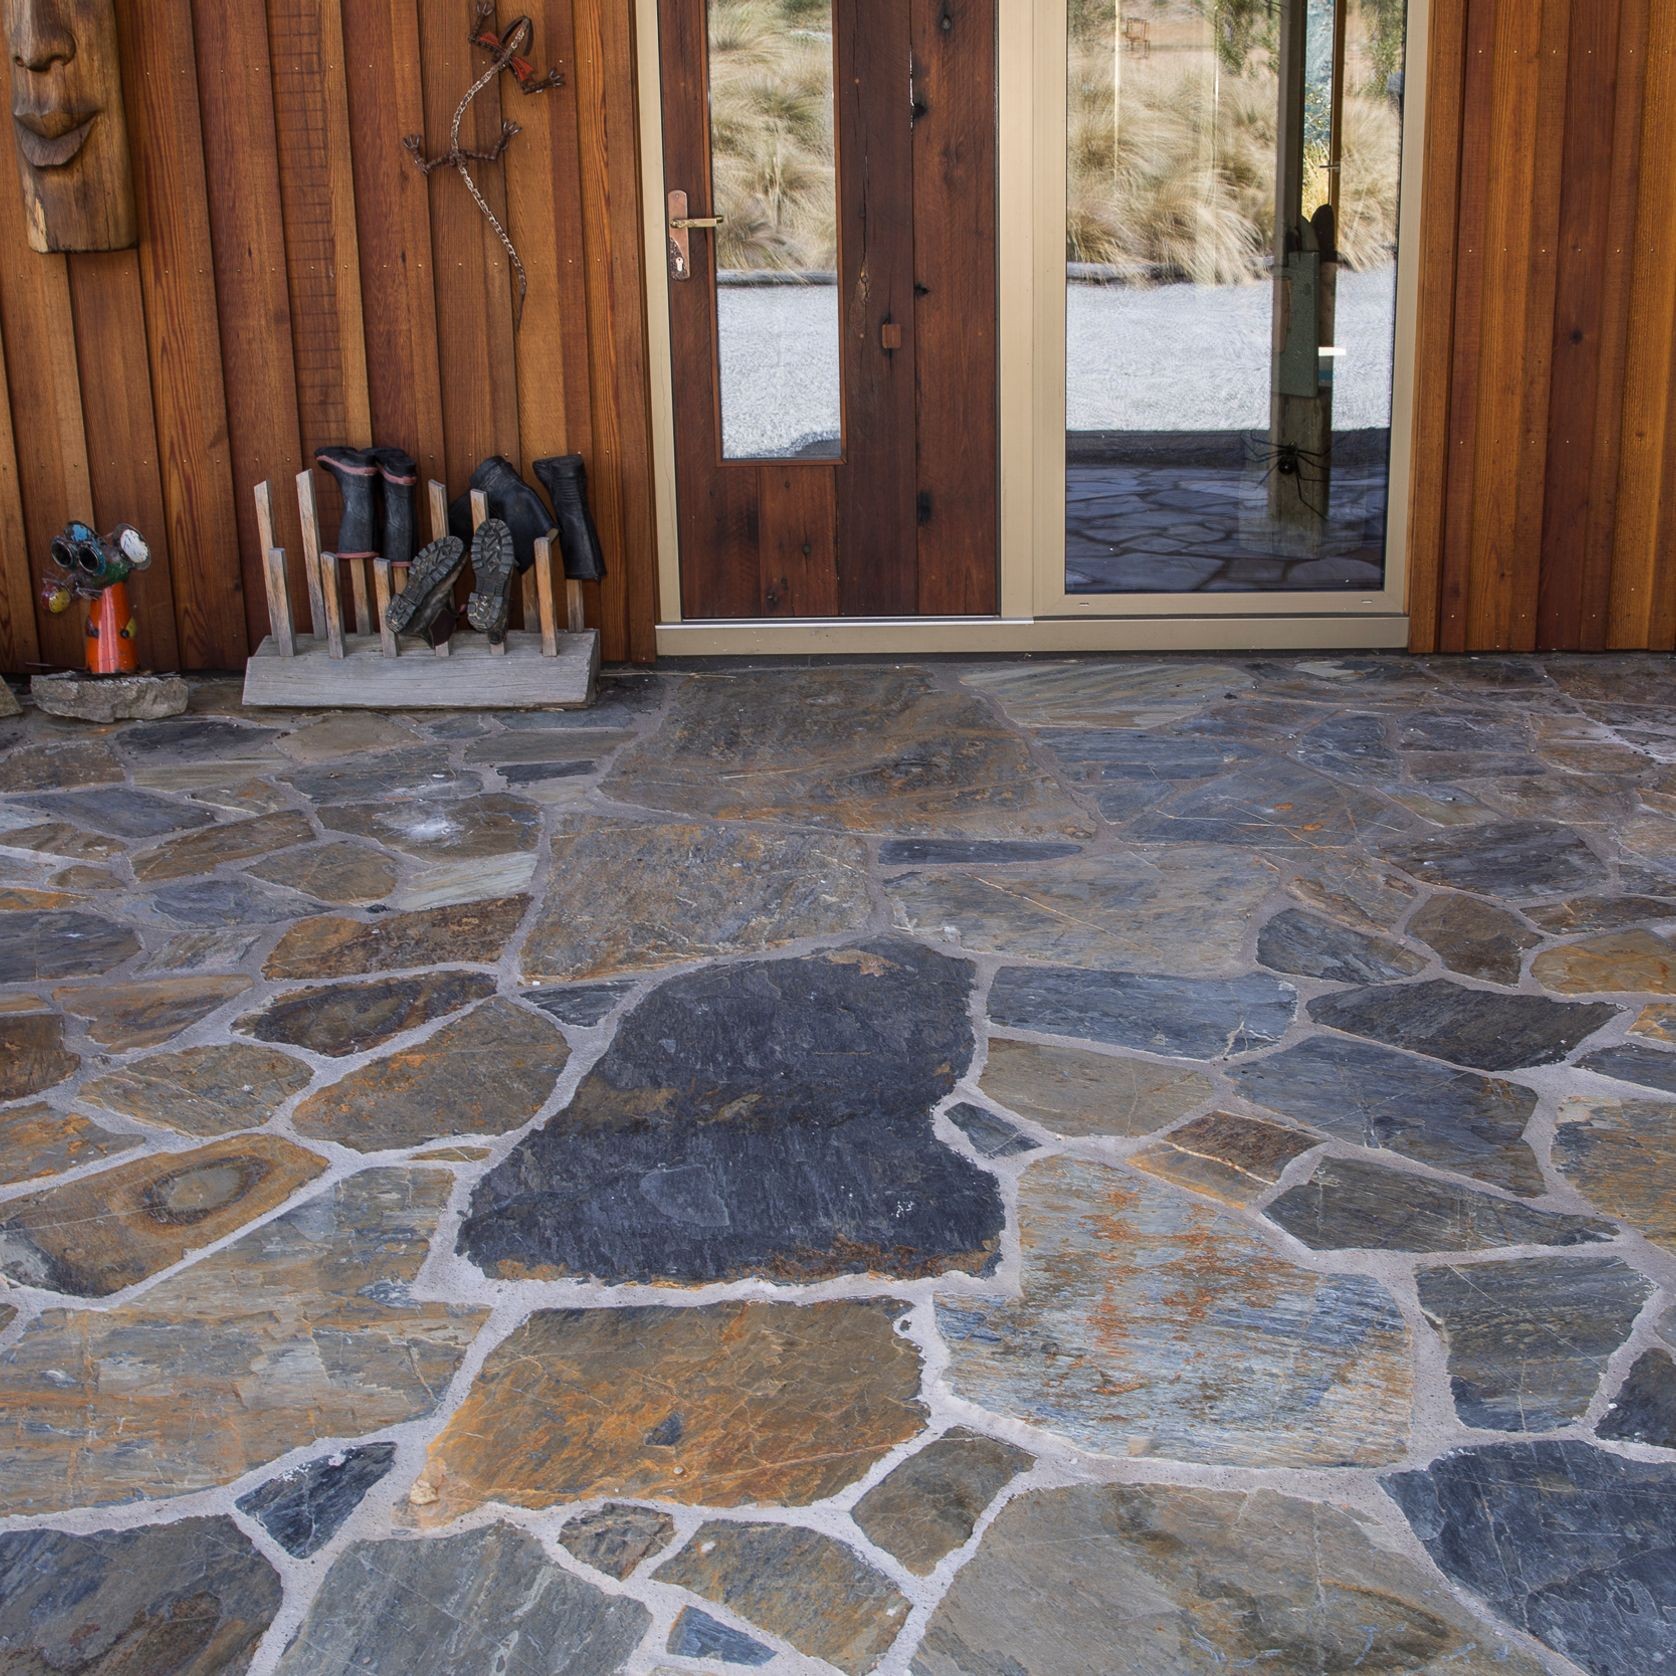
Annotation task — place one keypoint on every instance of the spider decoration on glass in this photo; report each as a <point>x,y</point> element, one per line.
<point>1310,467</point>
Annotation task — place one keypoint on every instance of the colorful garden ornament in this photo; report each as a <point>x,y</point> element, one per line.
<point>96,568</point>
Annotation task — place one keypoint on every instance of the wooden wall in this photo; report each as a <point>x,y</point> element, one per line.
<point>299,283</point>
<point>1545,466</point>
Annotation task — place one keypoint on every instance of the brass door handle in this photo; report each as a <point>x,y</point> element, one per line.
<point>683,221</point>
<point>680,234</point>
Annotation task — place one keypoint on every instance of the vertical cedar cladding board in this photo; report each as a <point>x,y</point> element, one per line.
<point>235,90</point>
<point>122,434</point>
<point>956,316</point>
<point>182,331</point>
<point>19,646</point>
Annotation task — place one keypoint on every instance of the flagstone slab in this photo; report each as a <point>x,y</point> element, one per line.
<point>484,1074</point>
<point>100,1233</point>
<point>1190,911</point>
<point>1128,770</point>
<point>299,1329</point>
<point>64,840</point>
<point>1356,1204</point>
<point>1156,1580</point>
<point>634,897</point>
<point>71,944</point>
<point>1195,1018</point>
<point>863,750</point>
<point>200,852</point>
<point>37,1141</point>
<point>1633,961</point>
<point>347,1018</point>
<point>1474,937</point>
<point>718,1405</point>
<point>347,734</point>
<point>33,1057</point>
<point>696,1635</point>
<point>1656,1022</point>
<point>1375,1097</point>
<point>1599,913</point>
<point>471,933</point>
<point>58,767</point>
<point>420,773</point>
<point>198,951</point>
<point>766,1118</point>
<point>1080,1094</point>
<point>120,812</point>
<point>1106,692</point>
<point>924,1509</point>
<point>193,1599</point>
<point>1351,888</point>
<point>442,829</point>
<point>973,852</point>
<point>1305,945</point>
<point>1231,1158</point>
<point>1474,1027</point>
<point>213,1090</point>
<point>583,1005</point>
<point>618,1537</point>
<point>485,1600</point>
<point>213,903</point>
<point>805,1587</point>
<point>1520,861</point>
<point>1634,1062</point>
<point>442,884</point>
<point>303,1509</point>
<point>990,1136</point>
<point>1148,1322</point>
<point>196,736</point>
<point>556,751</point>
<point>1644,1410</point>
<point>1565,1541</point>
<point>1622,1154</point>
<point>1529,1339</point>
<point>340,874</point>
<point>147,1011</point>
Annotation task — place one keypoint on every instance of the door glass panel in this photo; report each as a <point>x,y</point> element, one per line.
<point>1231,242</point>
<point>773,168</point>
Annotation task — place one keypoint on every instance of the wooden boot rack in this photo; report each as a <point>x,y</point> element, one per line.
<point>545,668</point>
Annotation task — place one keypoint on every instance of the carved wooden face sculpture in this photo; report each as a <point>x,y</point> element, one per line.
<point>68,124</point>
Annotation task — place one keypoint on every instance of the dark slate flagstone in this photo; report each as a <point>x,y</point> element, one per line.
<point>1352,746</point>
<point>583,1005</point>
<point>991,1136</point>
<point>346,1018</point>
<point>487,1599</point>
<point>303,1509</point>
<point>1529,1340</point>
<point>538,773</point>
<point>1475,1027</point>
<point>697,1635</point>
<point>618,1537</point>
<point>68,944</point>
<point>1570,1543</point>
<point>1632,1062</point>
<point>1475,938</point>
<point>1355,1204</point>
<point>190,1599</point>
<point>1308,946</point>
<point>772,1118</point>
<point>1376,1097</point>
<point>920,852</point>
<point>1644,1410</point>
<point>419,773</point>
<point>1519,860</point>
<point>1600,913</point>
<point>121,812</point>
<point>235,901</point>
<point>1196,1018</point>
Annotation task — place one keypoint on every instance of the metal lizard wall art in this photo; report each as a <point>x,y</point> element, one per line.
<point>506,51</point>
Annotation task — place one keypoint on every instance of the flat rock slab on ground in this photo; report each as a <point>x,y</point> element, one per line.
<point>1148,1323</point>
<point>122,812</point>
<point>110,698</point>
<point>1075,1093</point>
<point>473,933</point>
<point>1228,1156</point>
<point>487,1599</point>
<point>1100,692</point>
<point>303,1509</point>
<point>58,767</point>
<point>148,1011</point>
<point>1644,1410</point>
<point>1565,1541</point>
<point>1637,961</point>
<point>203,1090</point>
<point>232,901</point>
<point>1474,937</point>
<point>33,1057</point>
<point>1155,1580</point>
<point>37,1141</point>
<point>339,1020</point>
<point>768,1118</point>
<point>216,846</point>
<point>712,1405</point>
<point>618,1537</point>
<point>72,944</point>
<point>1622,1153</point>
<point>1635,1062</point>
<point>1305,945</point>
<point>341,874</point>
<point>442,828</point>
<point>1519,861</point>
<point>696,1635</point>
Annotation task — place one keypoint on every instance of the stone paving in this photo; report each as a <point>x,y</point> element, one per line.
<point>1003,1169</point>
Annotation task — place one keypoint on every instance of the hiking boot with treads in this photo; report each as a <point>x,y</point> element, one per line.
<point>494,562</point>
<point>512,501</point>
<point>430,587</point>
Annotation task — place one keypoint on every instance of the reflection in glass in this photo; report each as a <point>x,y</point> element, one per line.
<point>1231,240</point>
<point>773,167</point>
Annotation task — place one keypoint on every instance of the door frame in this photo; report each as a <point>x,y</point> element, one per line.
<point>1036,614</point>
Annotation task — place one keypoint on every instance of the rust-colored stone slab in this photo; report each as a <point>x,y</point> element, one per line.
<point>1656,1022</point>
<point>33,1057</point>
<point>721,1405</point>
<point>1632,962</point>
<point>346,734</point>
<point>59,766</point>
<point>468,933</point>
<point>443,829</point>
<point>484,1074</point>
<point>300,1329</point>
<point>203,1090</point>
<point>60,838</point>
<point>1078,1094</point>
<point>342,874</point>
<point>147,1012</point>
<point>1475,937</point>
<point>199,852</point>
<point>341,1019</point>
<point>36,1141</point>
<point>95,1235</point>
<point>1622,1154</point>
<point>634,897</point>
<point>1231,1158</point>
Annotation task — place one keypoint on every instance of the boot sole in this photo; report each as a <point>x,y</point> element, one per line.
<point>494,561</point>
<point>428,579</point>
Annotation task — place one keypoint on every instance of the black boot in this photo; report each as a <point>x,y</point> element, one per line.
<point>353,471</point>
<point>565,479</point>
<point>398,473</point>
<point>493,562</point>
<point>430,587</point>
<point>512,501</point>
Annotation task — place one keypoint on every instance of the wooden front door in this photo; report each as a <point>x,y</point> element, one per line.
<point>834,337</point>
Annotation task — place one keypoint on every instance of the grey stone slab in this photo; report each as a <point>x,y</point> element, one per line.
<point>768,1118</point>
<point>1621,1154</point>
<point>944,852</point>
<point>303,1509</point>
<point>1474,1027</point>
<point>1353,747</point>
<point>68,944</point>
<point>583,1004</point>
<point>1565,1541</point>
<point>990,1135</point>
<point>196,736</point>
<point>618,1537</point>
<point>696,1635</point>
<point>1356,1204</point>
<point>1528,1340</point>
<point>1107,692</point>
<point>1204,1018</point>
<point>214,903</point>
<point>1306,945</point>
<point>1521,861</point>
<point>1634,1062</point>
<point>121,812</point>
<point>419,773</point>
<point>487,1599</point>
<point>1601,913</point>
<point>187,1599</point>
<point>1375,1097</point>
